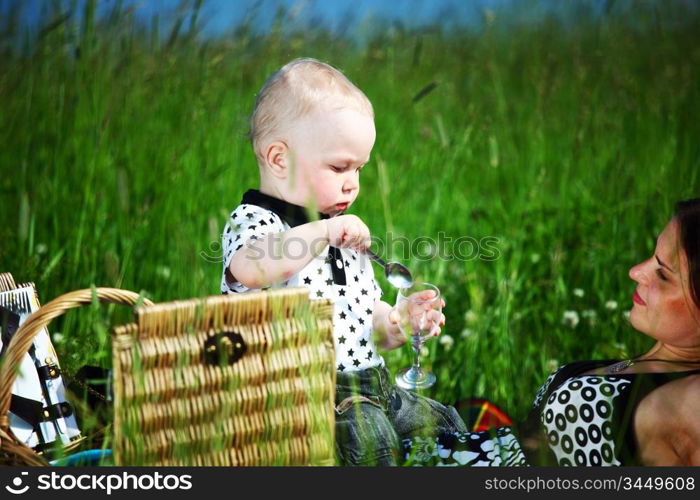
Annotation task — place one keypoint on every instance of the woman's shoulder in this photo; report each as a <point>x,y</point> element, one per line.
<point>681,395</point>
<point>666,423</point>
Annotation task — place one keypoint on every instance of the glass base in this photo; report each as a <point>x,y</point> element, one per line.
<point>411,379</point>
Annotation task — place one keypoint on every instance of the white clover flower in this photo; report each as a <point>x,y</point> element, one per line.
<point>570,319</point>
<point>424,351</point>
<point>611,305</point>
<point>57,337</point>
<point>591,316</point>
<point>626,315</point>
<point>447,341</point>
<point>535,258</point>
<point>470,317</point>
<point>621,348</point>
<point>163,272</point>
<point>552,364</point>
<point>578,292</point>
<point>423,449</point>
<point>41,249</point>
<point>466,333</point>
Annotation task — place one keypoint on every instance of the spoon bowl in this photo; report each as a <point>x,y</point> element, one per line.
<point>396,274</point>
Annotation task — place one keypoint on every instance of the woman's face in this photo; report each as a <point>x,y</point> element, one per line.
<point>663,308</point>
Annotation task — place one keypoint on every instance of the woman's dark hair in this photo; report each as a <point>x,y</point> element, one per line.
<point>688,217</point>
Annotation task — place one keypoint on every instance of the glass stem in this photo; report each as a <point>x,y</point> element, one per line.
<point>416,360</point>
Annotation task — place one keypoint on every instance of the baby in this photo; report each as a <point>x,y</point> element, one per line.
<point>312,132</point>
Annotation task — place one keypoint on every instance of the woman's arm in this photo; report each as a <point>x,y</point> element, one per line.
<point>688,442</point>
<point>666,424</point>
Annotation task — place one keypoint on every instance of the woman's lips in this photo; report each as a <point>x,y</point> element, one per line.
<point>341,206</point>
<point>637,299</point>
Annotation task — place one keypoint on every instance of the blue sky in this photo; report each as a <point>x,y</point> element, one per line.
<point>219,16</point>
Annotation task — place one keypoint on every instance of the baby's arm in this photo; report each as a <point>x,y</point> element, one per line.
<point>385,326</point>
<point>277,257</point>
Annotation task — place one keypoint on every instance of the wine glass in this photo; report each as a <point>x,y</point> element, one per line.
<point>419,308</point>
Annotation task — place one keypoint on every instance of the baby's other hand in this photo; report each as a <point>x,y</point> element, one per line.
<point>437,317</point>
<point>425,316</point>
<point>348,231</point>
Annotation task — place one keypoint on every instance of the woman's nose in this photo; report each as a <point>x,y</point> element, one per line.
<point>637,273</point>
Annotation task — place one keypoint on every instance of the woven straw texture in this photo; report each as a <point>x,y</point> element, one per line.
<point>7,282</point>
<point>228,380</point>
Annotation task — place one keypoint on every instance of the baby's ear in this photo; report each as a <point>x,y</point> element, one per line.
<point>277,159</point>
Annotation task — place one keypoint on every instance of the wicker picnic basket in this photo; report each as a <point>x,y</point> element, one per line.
<point>228,380</point>
<point>7,282</point>
<point>12,450</point>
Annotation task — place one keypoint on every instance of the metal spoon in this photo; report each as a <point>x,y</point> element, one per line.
<point>396,274</point>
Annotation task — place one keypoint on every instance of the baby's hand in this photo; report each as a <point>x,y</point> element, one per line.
<point>423,317</point>
<point>348,231</point>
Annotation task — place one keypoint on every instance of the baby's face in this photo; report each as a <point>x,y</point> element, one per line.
<point>328,148</point>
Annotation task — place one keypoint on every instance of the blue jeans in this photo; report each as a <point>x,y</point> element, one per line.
<point>373,416</point>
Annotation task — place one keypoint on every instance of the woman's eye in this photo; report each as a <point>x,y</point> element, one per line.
<point>661,275</point>
<point>337,169</point>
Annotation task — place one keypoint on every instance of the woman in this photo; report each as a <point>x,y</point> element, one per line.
<point>639,411</point>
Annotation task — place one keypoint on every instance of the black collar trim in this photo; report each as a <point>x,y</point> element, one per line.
<point>294,215</point>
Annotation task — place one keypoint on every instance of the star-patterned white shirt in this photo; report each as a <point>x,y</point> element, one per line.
<point>353,302</point>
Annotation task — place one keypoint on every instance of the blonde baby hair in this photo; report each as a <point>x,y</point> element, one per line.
<point>295,90</point>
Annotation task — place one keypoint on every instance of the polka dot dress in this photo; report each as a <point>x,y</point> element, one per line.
<point>577,419</point>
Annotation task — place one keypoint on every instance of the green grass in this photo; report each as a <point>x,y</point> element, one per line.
<point>123,151</point>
